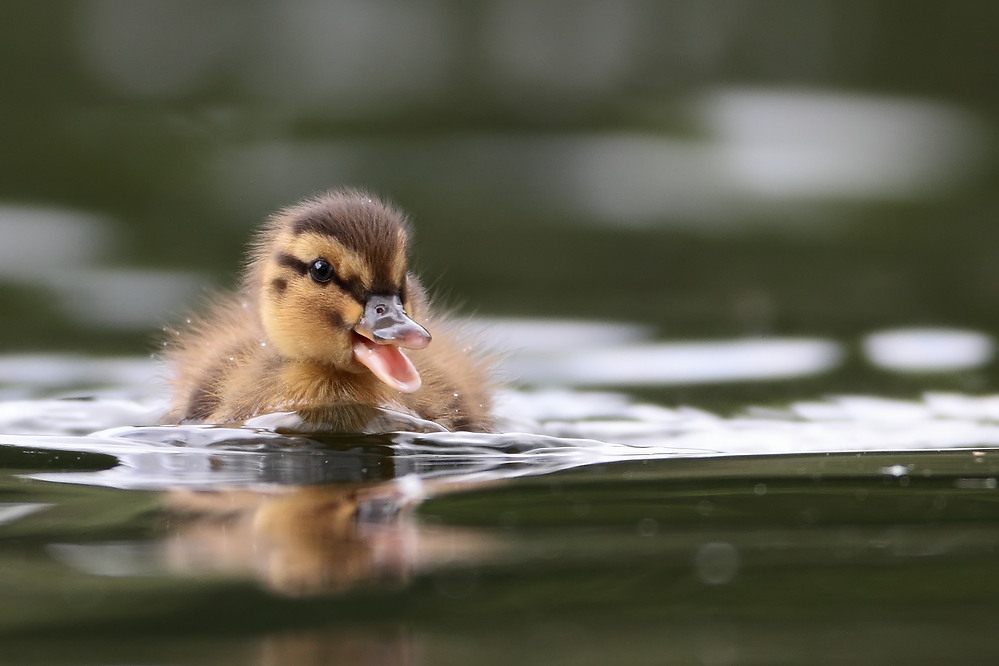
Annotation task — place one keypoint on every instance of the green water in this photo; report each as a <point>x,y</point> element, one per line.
<point>708,171</point>
<point>689,561</point>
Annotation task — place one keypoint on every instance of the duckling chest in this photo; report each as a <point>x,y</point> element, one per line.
<point>309,385</point>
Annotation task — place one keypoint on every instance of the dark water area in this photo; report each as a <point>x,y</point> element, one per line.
<point>740,256</point>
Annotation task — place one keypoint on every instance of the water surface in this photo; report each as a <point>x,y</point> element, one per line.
<point>612,525</point>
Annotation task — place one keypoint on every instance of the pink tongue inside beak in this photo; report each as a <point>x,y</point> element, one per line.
<point>388,363</point>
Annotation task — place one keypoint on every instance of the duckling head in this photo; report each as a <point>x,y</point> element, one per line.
<point>331,279</point>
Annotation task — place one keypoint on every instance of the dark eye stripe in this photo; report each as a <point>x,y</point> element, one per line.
<point>293,262</point>
<point>353,286</point>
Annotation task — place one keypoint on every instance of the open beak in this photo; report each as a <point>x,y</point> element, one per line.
<point>383,329</point>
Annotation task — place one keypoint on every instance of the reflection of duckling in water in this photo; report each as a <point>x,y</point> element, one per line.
<point>326,307</point>
<point>314,539</point>
<point>303,541</point>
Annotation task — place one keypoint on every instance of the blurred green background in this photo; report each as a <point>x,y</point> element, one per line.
<point>713,169</point>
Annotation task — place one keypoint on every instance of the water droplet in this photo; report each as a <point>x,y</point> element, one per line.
<point>760,489</point>
<point>648,527</point>
<point>895,470</point>
<point>716,562</point>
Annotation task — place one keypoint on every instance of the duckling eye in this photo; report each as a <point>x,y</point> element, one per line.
<point>321,271</point>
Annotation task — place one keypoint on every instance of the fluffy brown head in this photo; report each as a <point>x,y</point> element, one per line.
<point>316,264</point>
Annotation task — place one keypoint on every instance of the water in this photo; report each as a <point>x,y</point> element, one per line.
<point>740,258</point>
<point>593,526</point>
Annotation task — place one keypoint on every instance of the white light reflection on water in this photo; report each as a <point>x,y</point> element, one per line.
<point>543,430</point>
<point>575,353</point>
<point>126,298</point>
<point>682,363</point>
<point>814,143</point>
<point>99,296</point>
<point>928,349</point>
<point>34,236</point>
<point>28,375</point>
<point>158,457</point>
<point>759,150</point>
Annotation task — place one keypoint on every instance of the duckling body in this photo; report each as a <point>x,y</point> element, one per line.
<point>326,309</point>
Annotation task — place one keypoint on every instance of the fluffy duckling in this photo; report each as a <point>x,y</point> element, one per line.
<point>326,309</point>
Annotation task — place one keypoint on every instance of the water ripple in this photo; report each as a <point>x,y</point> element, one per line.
<point>159,457</point>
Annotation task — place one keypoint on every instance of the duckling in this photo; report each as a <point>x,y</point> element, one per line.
<point>329,323</point>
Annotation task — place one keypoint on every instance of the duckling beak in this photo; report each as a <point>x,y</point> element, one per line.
<point>383,329</point>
